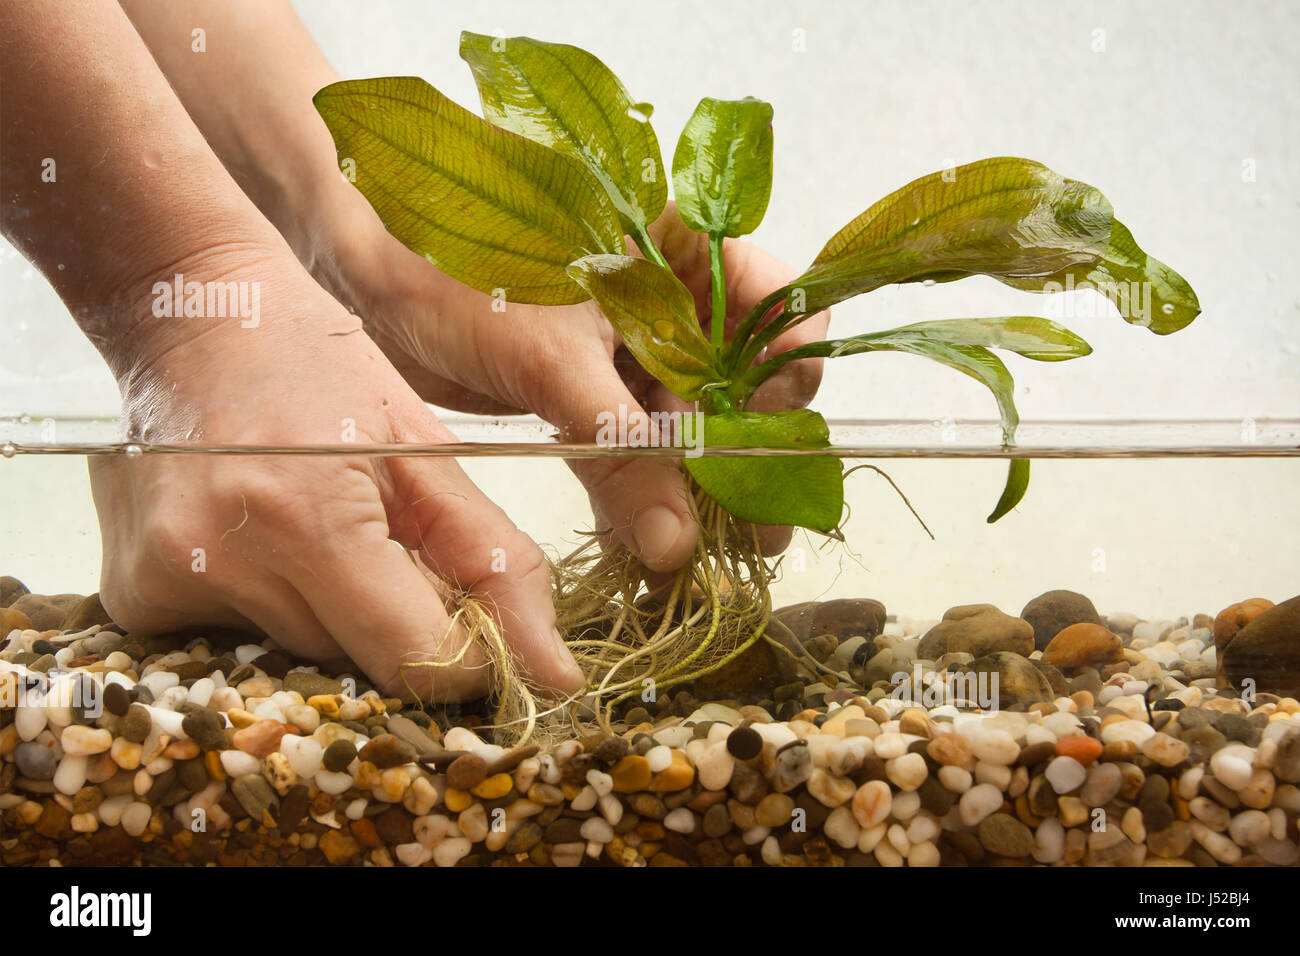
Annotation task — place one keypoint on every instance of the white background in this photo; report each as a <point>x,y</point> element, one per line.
<point>1167,107</point>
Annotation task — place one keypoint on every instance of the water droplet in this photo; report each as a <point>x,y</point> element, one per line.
<point>8,449</point>
<point>1167,308</point>
<point>640,112</point>
<point>927,282</point>
<point>132,451</point>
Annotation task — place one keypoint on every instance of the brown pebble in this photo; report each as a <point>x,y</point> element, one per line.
<point>744,743</point>
<point>466,772</point>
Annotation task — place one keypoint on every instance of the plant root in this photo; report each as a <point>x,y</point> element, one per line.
<point>633,639</point>
<point>517,714</point>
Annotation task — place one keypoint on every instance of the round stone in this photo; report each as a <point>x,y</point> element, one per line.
<point>338,756</point>
<point>744,743</point>
<point>466,772</point>
<point>1004,835</point>
<point>116,699</point>
<point>1065,774</point>
<point>206,728</point>
<point>36,761</point>
<point>136,724</point>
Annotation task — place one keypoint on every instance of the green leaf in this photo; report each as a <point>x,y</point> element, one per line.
<point>803,490</point>
<point>722,168</point>
<point>489,208</point>
<point>567,99</point>
<point>1014,490</point>
<point>1144,290</point>
<point>1003,217</point>
<point>1027,335</point>
<point>654,314</point>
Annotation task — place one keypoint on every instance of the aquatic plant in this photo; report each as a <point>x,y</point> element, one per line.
<point>533,203</point>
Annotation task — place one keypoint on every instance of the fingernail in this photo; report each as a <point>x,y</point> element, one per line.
<point>570,676</point>
<point>654,532</point>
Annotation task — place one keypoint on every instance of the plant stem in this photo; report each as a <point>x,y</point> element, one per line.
<point>719,309</point>
<point>648,247</point>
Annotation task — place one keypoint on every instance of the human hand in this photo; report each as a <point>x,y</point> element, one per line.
<point>311,550</point>
<point>567,365</point>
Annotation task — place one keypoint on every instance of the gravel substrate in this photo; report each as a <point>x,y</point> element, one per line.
<point>1110,741</point>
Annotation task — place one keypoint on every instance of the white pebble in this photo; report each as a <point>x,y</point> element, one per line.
<point>1249,827</point>
<point>680,820</point>
<point>923,854</point>
<point>1216,844</point>
<point>611,808</point>
<point>1232,765</point>
<point>158,682</point>
<point>451,851</point>
<point>887,856</point>
<point>906,772</point>
<point>585,800</point>
<point>247,653</point>
<point>1122,731</point>
<point>996,747</point>
<point>85,741</point>
<point>596,830</point>
<point>200,691</point>
<point>1065,774</point>
<point>956,779</point>
<point>328,781</point>
<point>715,766</point>
<point>905,805</point>
<point>30,719</point>
<point>891,745</point>
<point>167,722</point>
<point>304,754</point>
<point>997,774</point>
<point>71,775</point>
<point>600,782</point>
<point>135,818</point>
<point>236,763</point>
<point>841,828</point>
<point>1061,724</point>
<point>413,854</point>
<point>171,698</point>
<point>978,802</point>
<point>111,809</point>
<point>922,828</point>
<point>659,758</point>
<point>1049,841</point>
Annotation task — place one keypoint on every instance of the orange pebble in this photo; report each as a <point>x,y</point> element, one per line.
<point>1081,748</point>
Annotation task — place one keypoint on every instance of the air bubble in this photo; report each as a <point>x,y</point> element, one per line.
<point>1167,308</point>
<point>8,449</point>
<point>132,451</point>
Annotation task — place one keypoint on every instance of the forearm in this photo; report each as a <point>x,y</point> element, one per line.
<point>250,92</point>
<point>105,183</point>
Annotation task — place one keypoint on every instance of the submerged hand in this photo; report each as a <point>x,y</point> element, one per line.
<point>312,550</point>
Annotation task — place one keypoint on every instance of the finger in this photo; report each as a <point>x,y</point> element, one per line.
<point>470,543</point>
<point>275,607</point>
<point>367,593</point>
<point>643,500</point>
<point>795,385</point>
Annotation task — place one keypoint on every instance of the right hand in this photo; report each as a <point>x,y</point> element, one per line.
<point>311,550</point>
